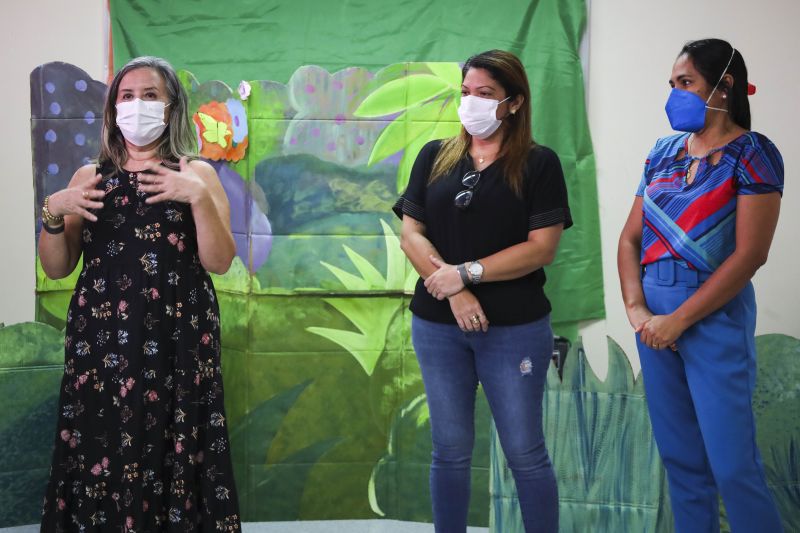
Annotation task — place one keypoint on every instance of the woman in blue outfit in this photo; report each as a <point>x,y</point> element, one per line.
<point>701,225</point>
<point>482,214</point>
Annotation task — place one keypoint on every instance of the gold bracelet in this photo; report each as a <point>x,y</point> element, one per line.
<point>47,217</point>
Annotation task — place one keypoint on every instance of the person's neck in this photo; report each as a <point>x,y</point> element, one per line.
<point>139,156</point>
<point>718,132</point>
<point>489,147</point>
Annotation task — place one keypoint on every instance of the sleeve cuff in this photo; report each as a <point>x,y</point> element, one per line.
<point>550,218</point>
<point>403,206</point>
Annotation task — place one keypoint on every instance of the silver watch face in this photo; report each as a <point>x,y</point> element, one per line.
<point>476,270</point>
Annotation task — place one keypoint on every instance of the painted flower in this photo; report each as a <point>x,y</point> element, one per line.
<point>97,469</point>
<point>178,447</point>
<point>65,435</point>
<point>238,120</point>
<point>152,395</point>
<point>244,90</point>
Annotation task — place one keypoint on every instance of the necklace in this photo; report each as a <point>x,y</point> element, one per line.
<point>482,158</point>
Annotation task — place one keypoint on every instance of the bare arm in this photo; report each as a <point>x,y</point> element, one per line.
<point>197,184</point>
<point>419,249</point>
<point>523,258</point>
<point>629,269</point>
<point>59,253</point>
<point>756,219</point>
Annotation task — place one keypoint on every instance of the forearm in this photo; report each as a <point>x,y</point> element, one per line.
<point>215,243</point>
<point>630,275</point>
<point>418,249</point>
<point>516,261</point>
<point>57,256</point>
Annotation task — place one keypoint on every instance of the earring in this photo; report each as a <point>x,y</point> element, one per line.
<point>724,96</point>
<point>513,111</point>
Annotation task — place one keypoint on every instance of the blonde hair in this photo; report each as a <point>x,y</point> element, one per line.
<point>507,70</point>
<point>179,138</point>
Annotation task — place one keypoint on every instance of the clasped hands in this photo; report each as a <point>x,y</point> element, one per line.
<point>656,331</point>
<point>446,282</point>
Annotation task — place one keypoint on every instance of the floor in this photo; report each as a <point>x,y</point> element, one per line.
<point>339,526</point>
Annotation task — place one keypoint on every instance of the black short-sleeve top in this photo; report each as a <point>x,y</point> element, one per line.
<point>495,219</point>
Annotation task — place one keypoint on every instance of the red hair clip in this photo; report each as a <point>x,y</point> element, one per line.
<point>751,89</point>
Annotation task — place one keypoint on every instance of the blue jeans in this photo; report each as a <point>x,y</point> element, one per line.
<point>511,363</point>
<point>700,403</point>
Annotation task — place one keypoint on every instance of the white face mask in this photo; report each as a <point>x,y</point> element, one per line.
<point>141,122</point>
<point>479,115</point>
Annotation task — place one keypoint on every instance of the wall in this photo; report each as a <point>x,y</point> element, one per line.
<point>33,33</point>
<point>632,45</point>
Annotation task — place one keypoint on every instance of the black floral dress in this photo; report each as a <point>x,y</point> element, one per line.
<point>142,440</point>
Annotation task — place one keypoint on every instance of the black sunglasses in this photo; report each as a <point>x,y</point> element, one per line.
<point>464,198</point>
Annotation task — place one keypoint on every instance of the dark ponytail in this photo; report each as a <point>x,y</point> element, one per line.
<point>709,57</point>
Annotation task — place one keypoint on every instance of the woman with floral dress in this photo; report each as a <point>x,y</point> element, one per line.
<point>142,439</point>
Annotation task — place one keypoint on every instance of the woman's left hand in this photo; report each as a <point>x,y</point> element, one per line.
<point>660,331</point>
<point>445,282</point>
<point>165,184</point>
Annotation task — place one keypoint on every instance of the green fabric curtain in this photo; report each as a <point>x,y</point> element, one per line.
<point>323,392</point>
<point>267,40</point>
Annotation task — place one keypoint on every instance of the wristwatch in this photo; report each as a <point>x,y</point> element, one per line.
<point>475,271</point>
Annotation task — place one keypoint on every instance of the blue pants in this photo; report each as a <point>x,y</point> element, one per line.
<point>700,407</point>
<point>511,363</point>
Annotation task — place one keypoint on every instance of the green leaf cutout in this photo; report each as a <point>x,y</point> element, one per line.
<point>448,71</point>
<point>401,94</point>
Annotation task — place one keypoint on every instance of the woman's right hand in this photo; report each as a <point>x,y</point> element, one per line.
<point>77,200</point>
<point>466,307</point>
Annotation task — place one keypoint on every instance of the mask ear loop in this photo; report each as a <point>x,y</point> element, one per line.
<point>724,71</point>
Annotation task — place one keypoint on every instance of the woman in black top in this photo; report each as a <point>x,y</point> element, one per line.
<point>482,214</point>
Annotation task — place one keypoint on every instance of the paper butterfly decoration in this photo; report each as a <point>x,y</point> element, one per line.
<point>215,131</point>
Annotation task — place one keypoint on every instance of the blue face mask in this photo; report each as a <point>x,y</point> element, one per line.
<point>686,111</point>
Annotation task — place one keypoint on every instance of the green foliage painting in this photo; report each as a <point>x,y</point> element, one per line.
<point>609,474</point>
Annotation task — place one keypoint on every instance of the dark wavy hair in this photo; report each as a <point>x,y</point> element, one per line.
<point>179,138</point>
<point>709,57</point>
<point>507,70</point>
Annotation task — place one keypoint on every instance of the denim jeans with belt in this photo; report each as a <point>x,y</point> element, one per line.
<point>700,402</point>
<point>511,363</point>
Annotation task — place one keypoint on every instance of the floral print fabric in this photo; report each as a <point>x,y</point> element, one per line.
<point>142,440</point>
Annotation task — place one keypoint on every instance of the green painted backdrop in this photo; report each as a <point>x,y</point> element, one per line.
<point>322,383</point>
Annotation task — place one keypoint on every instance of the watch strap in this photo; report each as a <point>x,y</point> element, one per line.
<point>462,271</point>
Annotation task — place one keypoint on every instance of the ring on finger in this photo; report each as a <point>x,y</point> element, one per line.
<point>475,319</point>
<point>85,195</point>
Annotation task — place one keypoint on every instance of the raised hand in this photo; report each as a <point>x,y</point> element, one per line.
<point>183,185</point>
<point>77,200</point>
